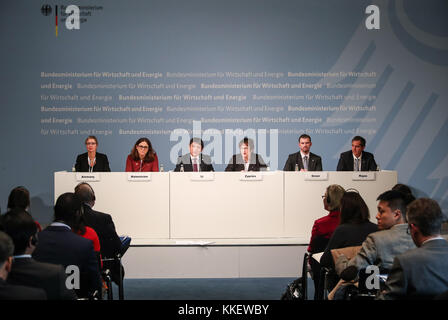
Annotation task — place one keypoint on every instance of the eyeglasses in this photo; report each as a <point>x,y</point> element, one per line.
<point>408,230</point>
<point>90,143</point>
<point>142,147</point>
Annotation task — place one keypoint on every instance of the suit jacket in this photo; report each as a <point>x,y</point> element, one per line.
<point>206,163</point>
<point>50,277</point>
<point>314,162</point>
<point>419,273</point>
<point>380,248</point>
<point>110,242</point>
<point>346,162</point>
<point>236,163</point>
<point>16,292</point>
<point>101,163</point>
<point>59,245</point>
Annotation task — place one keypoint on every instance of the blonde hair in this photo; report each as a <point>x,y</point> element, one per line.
<point>334,193</point>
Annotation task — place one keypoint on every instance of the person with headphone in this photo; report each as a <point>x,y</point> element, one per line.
<point>324,227</point>
<point>26,271</point>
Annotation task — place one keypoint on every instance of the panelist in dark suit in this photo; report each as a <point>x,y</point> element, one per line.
<point>246,160</point>
<point>58,244</point>
<point>304,160</point>
<point>92,161</point>
<point>357,159</point>
<point>26,271</point>
<point>195,160</point>
<point>9,291</point>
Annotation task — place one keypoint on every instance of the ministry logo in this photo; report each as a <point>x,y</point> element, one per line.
<point>71,15</point>
<point>46,10</point>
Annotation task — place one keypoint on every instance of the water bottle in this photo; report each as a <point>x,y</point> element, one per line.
<point>161,167</point>
<point>73,169</point>
<point>297,167</point>
<point>181,167</point>
<point>378,168</point>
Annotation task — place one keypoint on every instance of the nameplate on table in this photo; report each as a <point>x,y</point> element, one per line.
<point>316,176</point>
<point>363,175</point>
<point>139,176</point>
<point>202,176</point>
<point>88,176</point>
<point>251,176</point>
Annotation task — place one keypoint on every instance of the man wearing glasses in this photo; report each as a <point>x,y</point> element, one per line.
<point>421,272</point>
<point>381,247</point>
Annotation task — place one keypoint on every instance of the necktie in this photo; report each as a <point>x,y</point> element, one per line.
<point>305,162</point>
<point>195,165</point>
<point>356,164</point>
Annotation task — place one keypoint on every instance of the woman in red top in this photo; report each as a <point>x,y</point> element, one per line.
<point>79,227</point>
<point>142,157</point>
<point>323,228</point>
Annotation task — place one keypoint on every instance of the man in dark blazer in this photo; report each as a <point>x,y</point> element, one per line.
<point>246,160</point>
<point>58,244</point>
<point>195,160</point>
<point>365,160</point>
<point>92,161</point>
<point>420,273</point>
<point>298,158</point>
<point>20,226</point>
<point>102,223</point>
<point>9,291</point>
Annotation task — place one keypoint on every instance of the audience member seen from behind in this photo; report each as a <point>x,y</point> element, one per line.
<point>104,226</point>
<point>19,197</point>
<point>381,247</point>
<point>79,227</point>
<point>420,273</point>
<point>403,189</point>
<point>59,245</point>
<point>324,227</point>
<point>247,159</point>
<point>25,270</point>
<point>92,161</point>
<point>195,160</point>
<point>7,290</point>
<point>353,229</point>
<point>142,158</point>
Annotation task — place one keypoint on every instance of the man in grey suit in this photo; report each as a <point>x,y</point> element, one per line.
<point>381,247</point>
<point>304,160</point>
<point>421,272</point>
<point>195,160</point>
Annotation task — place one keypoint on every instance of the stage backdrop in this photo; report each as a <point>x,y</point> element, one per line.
<point>274,69</point>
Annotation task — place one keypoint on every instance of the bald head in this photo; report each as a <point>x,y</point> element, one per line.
<point>85,193</point>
